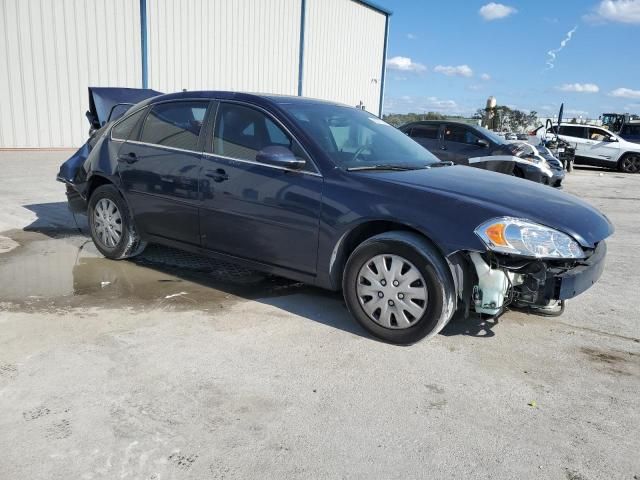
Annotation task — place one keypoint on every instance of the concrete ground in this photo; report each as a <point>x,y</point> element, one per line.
<point>178,367</point>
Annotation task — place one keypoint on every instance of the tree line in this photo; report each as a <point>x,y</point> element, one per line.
<point>500,118</point>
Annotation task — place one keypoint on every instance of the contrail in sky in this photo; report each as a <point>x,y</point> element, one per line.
<point>554,53</point>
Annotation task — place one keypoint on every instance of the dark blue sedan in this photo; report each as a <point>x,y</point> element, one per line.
<point>333,196</point>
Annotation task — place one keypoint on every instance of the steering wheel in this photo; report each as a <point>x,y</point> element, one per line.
<point>359,151</point>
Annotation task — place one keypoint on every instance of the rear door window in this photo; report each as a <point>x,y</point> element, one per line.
<point>429,132</point>
<point>460,134</point>
<point>174,124</point>
<point>573,131</point>
<point>123,130</point>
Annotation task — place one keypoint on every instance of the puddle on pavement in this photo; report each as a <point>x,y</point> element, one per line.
<point>45,272</point>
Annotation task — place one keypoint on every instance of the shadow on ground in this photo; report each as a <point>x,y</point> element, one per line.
<point>166,277</point>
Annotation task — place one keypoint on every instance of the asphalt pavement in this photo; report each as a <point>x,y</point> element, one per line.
<point>175,366</point>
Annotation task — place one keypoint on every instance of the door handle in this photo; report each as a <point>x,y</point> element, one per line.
<point>129,158</point>
<point>443,148</point>
<point>217,175</point>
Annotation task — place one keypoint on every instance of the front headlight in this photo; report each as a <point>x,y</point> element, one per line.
<point>517,236</point>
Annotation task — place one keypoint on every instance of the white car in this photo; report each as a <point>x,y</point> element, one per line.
<point>600,147</point>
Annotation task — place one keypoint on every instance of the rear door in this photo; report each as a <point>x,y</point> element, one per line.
<point>460,143</point>
<point>160,169</point>
<point>576,135</point>
<point>427,135</point>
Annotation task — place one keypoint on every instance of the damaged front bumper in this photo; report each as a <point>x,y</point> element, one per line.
<point>502,280</point>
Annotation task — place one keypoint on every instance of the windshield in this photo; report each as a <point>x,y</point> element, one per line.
<point>354,138</point>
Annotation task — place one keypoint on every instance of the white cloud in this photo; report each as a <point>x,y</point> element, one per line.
<point>554,53</point>
<point>580,87</point>
<point>459,71</point>
<point>411,36</point>
<point>495,11</point>
<point>625,93</point>
<point>622,11</point>
<point>485,77</point>
<point>404,64</point>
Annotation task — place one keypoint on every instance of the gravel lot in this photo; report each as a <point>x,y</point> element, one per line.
<point>178,367</point>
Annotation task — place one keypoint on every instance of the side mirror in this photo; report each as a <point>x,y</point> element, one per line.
<point>279,157</point>
<point>481,142</point>
<point>610,139</point>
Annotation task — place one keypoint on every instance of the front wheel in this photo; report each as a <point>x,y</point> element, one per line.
<point>630,163</point>
<point>111,226</point>
<point>399,288</point>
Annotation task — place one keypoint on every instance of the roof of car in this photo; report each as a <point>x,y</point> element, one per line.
<point>227,95</point>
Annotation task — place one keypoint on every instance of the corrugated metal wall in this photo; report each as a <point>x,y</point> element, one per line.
<point>247,45</point>
<point>52,50</point>
<point>48,59</point>
<point>343,49</point>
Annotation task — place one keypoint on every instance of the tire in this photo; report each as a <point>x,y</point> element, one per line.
<point>111,226</point>
<point>629,163</point>
<point>401,318</point>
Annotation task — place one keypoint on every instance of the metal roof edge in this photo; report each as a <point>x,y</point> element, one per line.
<point>374,6</point>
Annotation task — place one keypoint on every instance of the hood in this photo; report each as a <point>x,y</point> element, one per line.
<point>509,196</point>
<point>628,144</point>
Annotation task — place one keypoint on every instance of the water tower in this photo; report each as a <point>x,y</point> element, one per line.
<point>491,118</point>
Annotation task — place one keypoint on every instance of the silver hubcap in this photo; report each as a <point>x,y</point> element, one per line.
<point>107,223</point>
<point>392,291</point>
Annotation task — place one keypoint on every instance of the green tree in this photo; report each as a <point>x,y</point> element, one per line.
<point>398,119</point>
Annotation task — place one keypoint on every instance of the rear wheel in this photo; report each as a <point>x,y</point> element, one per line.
<point>398,287</point>
<point>111,225</point>
<point>630,163</point>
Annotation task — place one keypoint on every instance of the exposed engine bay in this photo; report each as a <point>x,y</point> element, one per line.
<point>533,284</point>
<point>496,282</point>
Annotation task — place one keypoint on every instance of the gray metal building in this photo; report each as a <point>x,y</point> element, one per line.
<point>52,50</point>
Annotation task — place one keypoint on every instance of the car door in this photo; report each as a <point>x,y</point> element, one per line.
<point>160,167</point>
<point>427,135</point>
<point>460,143</point>
<point>253,210</point>
<point>601,145</point>
<point>576,135</point>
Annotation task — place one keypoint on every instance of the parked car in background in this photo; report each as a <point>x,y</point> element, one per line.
<point>333,196</point>
<point>475,146</point>
<point>630,132</point>
<point>599,147</point>
<point>522,136</point>
<point>510,136</point>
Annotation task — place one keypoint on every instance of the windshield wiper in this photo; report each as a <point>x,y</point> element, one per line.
<point>384,167</point>
<point>443,163</point>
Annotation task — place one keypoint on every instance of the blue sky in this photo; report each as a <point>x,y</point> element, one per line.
<point>449,56</point>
